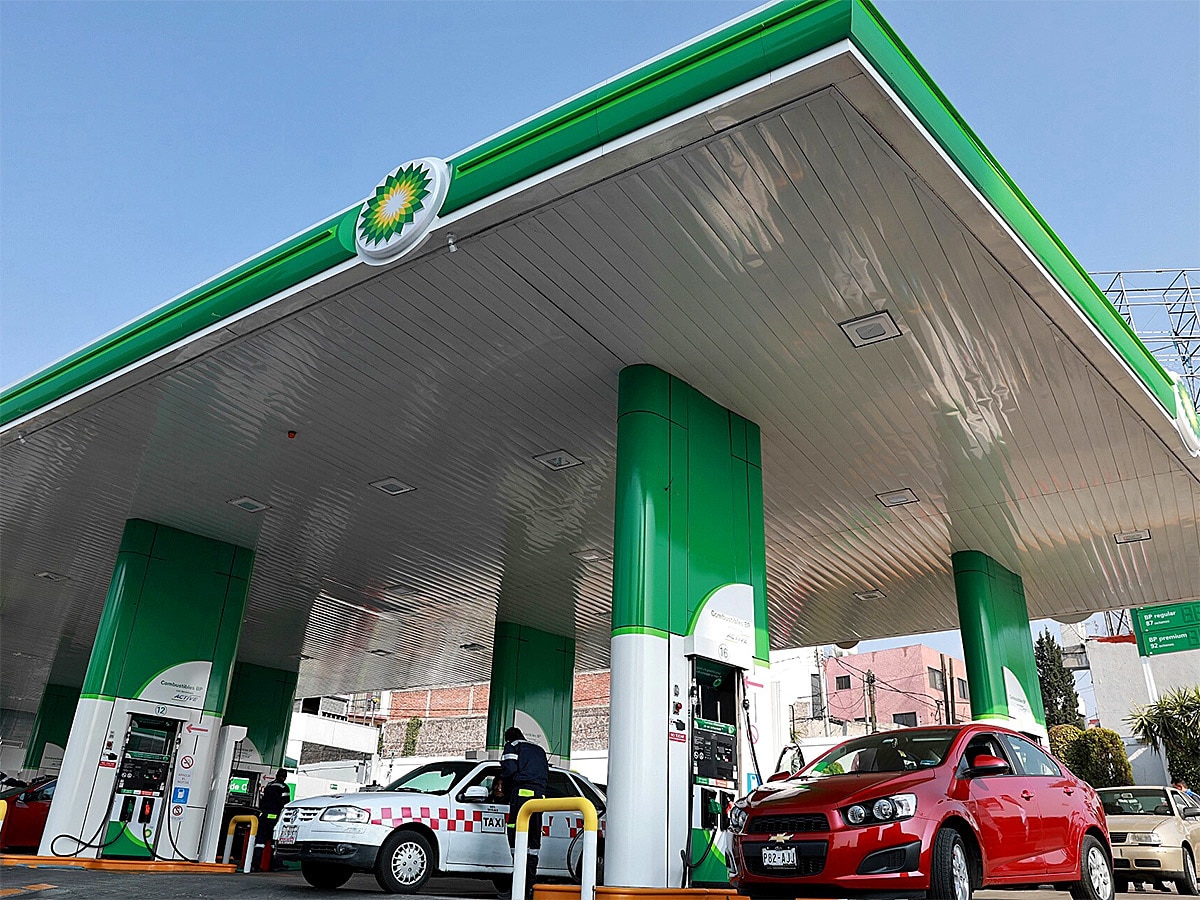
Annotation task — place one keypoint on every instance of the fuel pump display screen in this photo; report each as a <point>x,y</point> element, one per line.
<point>146,762</point>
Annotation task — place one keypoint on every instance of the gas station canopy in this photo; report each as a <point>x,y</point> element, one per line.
<point>788,215</point>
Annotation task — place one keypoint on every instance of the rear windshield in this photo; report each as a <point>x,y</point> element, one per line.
<point>889,751</point>
<point>434,778</point>
<point>1135,802</point>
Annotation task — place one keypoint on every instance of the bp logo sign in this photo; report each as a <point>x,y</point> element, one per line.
<point>401,213</point>
<point>1186,419</point>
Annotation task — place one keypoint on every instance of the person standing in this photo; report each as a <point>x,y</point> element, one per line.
<point>524,770</point>
<point>275,797</point>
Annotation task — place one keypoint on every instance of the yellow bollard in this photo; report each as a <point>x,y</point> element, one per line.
<point>591,825</point>
<point>233,824</point>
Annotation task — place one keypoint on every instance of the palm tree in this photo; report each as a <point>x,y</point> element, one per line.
<point>1173,725</point>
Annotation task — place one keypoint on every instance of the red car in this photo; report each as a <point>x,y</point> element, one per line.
<point>937,812</point>
<point>25,818</point>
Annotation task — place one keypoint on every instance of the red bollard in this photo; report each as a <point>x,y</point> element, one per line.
<point>265,863</point>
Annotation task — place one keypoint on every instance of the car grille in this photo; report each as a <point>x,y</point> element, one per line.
<point>326,848</point>
<point>1120,863</point>
<point>794,824</point>
<point>294,814</point>
<point>1118,837</point>
<point>810,858</point>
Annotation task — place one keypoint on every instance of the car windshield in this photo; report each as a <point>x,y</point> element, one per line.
<point>435,778</point>
<point>889,751</point>
<point>1135,802</point>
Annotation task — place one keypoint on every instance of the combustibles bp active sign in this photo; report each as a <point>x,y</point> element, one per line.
<point>1167,629</point>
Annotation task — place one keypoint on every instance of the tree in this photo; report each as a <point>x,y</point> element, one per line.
<point>1172,725</point>
<point>1062,739</point>
<point>1058,685</point>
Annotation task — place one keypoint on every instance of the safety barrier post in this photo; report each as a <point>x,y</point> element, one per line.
<point>591,825</point>
<point>252,821</point>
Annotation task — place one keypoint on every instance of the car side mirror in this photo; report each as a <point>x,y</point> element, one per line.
<point>476,793</point>
<point>986,764</point>
<point>1191,812</point>
<point>779,776</point>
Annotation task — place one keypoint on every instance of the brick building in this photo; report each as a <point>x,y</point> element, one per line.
<point>910,686</point>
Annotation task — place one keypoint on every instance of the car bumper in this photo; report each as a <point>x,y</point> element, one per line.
<point>880,860</point>
<point>1134,862</point>
<point>357,856</point>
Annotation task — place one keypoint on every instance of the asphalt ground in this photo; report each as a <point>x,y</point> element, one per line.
<point>50,883</point>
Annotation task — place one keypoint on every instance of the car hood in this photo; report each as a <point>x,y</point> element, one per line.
<point>1138,823</point>
<point>373,800</point>
<point>833,790</point>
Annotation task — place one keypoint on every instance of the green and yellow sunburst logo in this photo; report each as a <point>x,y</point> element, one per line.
<point>396,201</point>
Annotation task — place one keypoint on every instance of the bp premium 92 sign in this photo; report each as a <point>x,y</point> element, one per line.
<point>400,214</point>
<point>1167,629</point>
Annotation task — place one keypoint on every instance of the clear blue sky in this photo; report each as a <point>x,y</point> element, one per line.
<point>144,147</point>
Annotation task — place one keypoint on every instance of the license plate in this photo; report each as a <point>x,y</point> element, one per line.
<point>287,834</point>
<point>785,858</point>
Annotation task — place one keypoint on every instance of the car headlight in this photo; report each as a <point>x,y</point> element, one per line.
<point>892,808</point>
<point>737,819</point>
<point>1145,837</point>
<point>345,814</point>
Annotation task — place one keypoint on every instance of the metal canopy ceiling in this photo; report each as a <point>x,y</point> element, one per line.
<point>724,244</point>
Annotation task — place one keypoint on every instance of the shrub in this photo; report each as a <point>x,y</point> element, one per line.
<point>1062,740</point>
<point>1098,757</point>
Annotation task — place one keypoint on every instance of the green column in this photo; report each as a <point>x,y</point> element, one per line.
<point>261,698</point>
<point>997,645</point>
<point>533,674</point>
<point>171,620</point>
<point>53,722</point>
<point>689,507</point>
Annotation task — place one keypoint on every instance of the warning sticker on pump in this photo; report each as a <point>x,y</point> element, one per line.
<point>677,736</point>
<point>287,834</point>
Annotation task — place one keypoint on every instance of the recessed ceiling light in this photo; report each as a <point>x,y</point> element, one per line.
<point>558,459</point>
<point>52,576</point>
<point>897,498</point>
<point>473,647</point>
<point>869,595</point>
<point>249,504</point>
<point>1132,537</point>
<point>393,486</point>
<point>379,651</point>
<point>870,329</point>
<point>300,656</point>
<point>591,555</point>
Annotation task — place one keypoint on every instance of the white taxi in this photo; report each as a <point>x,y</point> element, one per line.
<point>440,818</point>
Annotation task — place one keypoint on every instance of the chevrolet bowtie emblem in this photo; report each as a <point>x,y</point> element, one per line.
<point>780,838</point>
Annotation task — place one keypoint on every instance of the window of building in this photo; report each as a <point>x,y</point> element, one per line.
<point>935,679</point>
<point>908,719</point>
<point>816,702</point>
<point>962,688</point>
<point>841,683</point>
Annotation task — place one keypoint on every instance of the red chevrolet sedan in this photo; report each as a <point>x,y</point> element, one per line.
<point>937,812</point>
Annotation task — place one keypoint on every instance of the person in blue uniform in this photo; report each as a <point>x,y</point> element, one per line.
<point>524,770</point>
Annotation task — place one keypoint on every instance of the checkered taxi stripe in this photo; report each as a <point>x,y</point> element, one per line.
<point>462,820</point>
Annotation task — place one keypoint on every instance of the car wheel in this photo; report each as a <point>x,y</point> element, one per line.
<point>405,863</point>
<point>575,859</point>
<point>950,878</point>
<point>1095,872</point>
<point>1187,884</point>
<point>326,876</point>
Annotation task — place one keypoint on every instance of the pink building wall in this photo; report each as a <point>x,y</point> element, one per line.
<point>902,686</point>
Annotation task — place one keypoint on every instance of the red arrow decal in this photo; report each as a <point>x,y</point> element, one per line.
<point>193,728</point>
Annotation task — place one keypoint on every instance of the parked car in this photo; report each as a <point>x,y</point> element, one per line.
<point>25,818</point>
<point>1155,833</point>
<point>441,818</point>
<point>935,811</point>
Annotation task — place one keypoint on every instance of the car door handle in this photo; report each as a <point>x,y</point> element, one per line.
<point>1026,795</point>
<point>1068,790</point>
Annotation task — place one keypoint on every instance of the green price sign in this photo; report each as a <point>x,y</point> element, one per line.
<point>239,785</point>
<point>1167,629</point>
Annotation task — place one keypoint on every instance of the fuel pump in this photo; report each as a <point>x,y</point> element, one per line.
<point>139,791</point>
<point>715,696</point>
